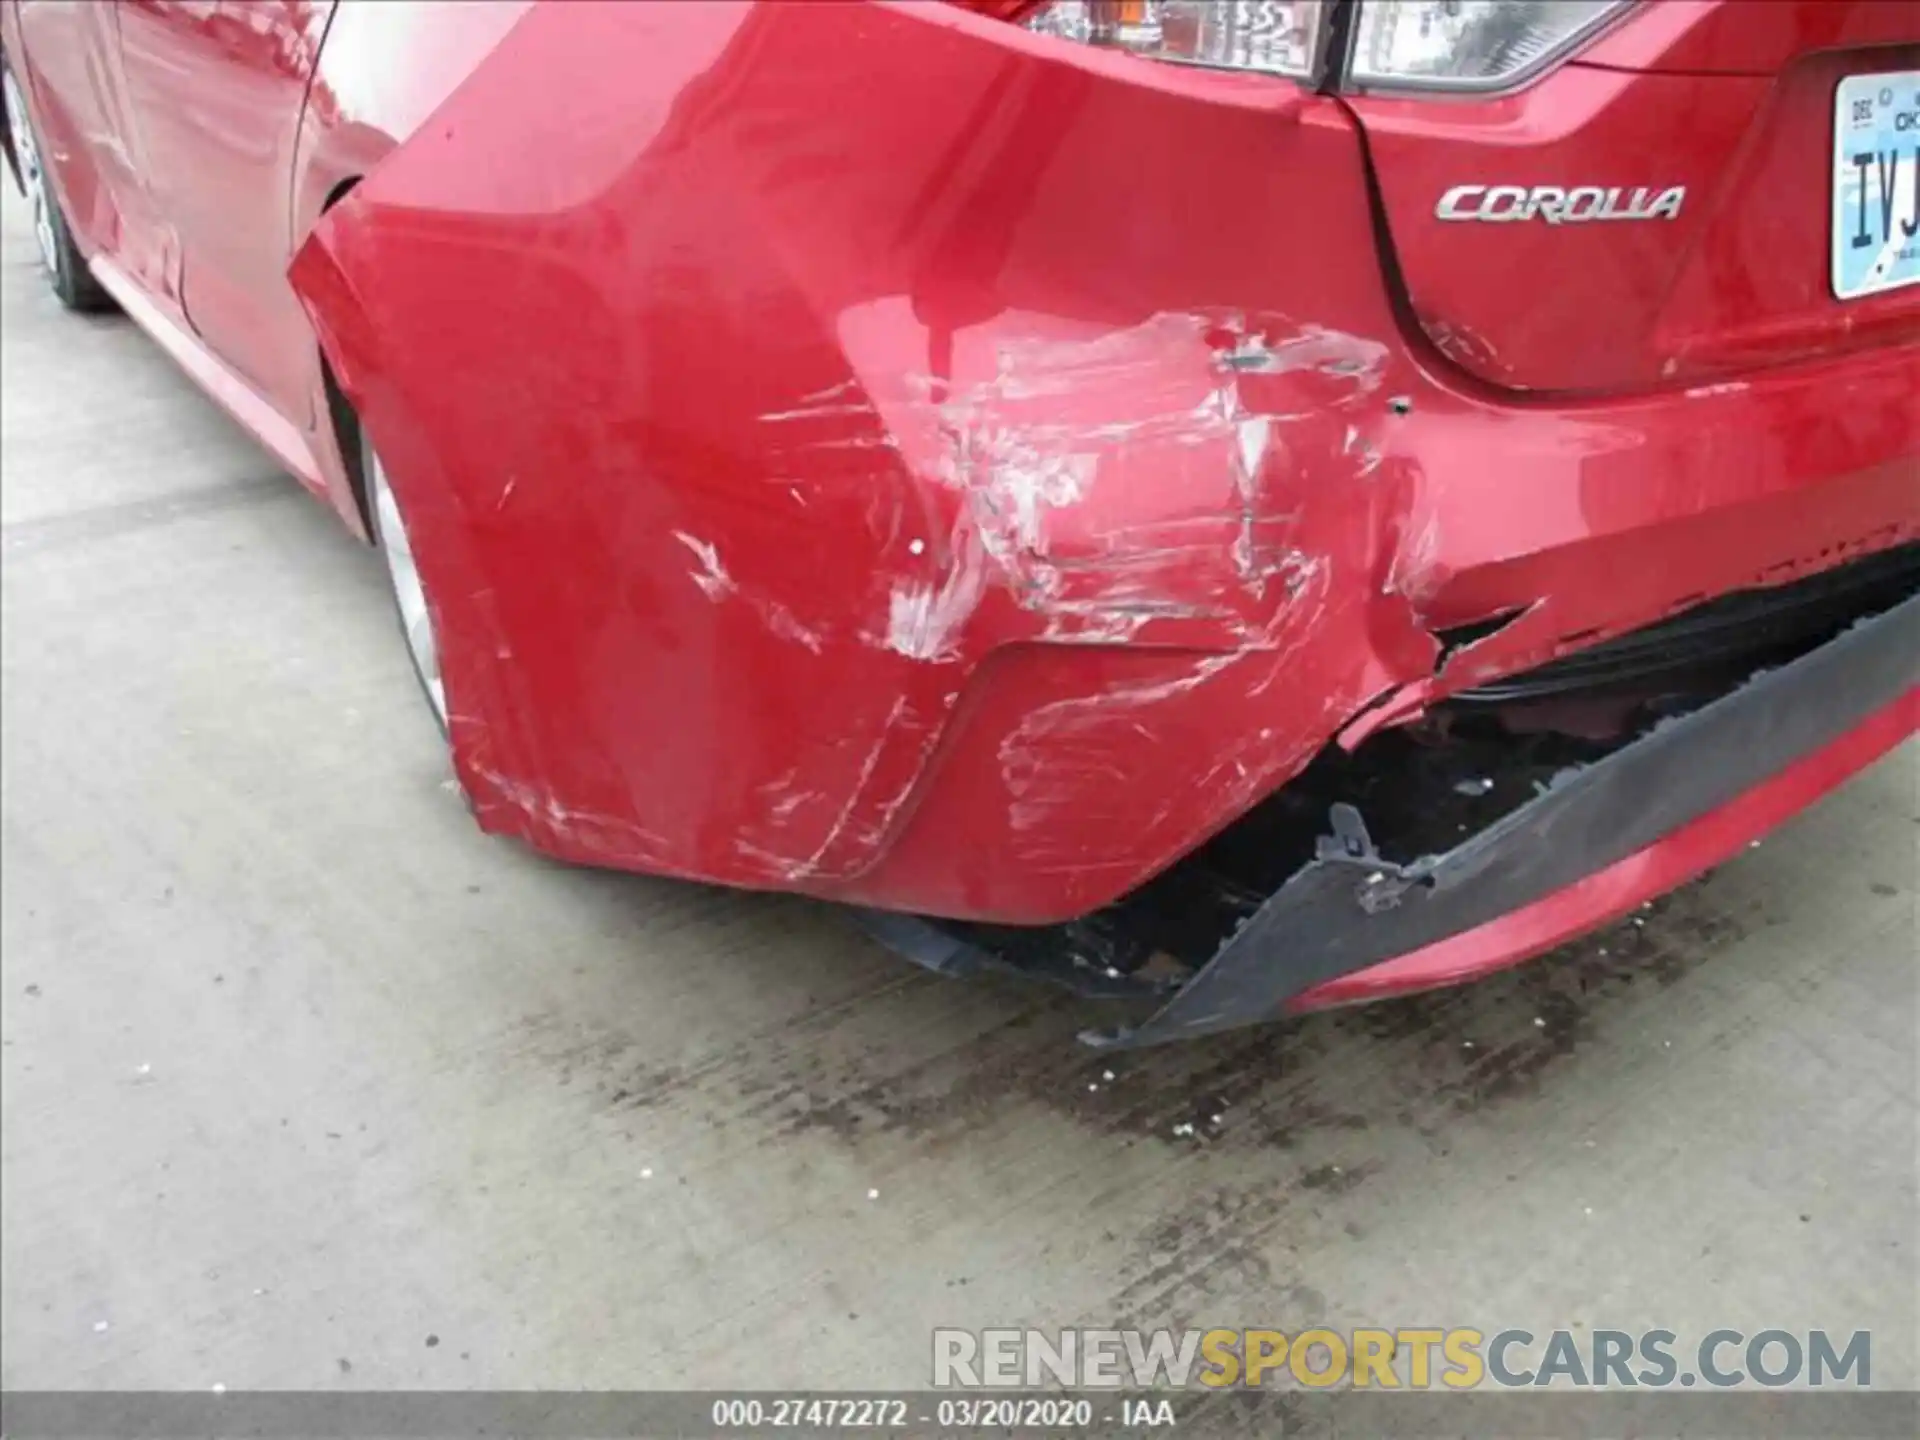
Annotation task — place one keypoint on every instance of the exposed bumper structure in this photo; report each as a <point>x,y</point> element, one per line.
<point>1349,909</point>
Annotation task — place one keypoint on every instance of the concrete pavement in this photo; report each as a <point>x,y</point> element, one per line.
<point>307,1083</point>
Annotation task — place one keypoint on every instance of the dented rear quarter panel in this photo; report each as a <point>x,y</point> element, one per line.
<point>870,450</point>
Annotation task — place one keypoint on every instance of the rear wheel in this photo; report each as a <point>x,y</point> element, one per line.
<point>73,282</point>
<point>403,577</point>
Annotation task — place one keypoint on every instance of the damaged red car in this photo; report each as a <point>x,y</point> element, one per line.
<point>1245,506</point>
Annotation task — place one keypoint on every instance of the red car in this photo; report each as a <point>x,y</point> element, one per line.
<point>1245,505</point>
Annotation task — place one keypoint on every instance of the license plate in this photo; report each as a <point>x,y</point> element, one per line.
<point>1876,183</point>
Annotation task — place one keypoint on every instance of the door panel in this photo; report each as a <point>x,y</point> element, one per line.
<point>71,64</point>
<point>216,88</point>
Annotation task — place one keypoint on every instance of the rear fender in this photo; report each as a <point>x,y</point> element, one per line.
<point>830,476</point>
<point>735,451</point>
<point>381,71</point>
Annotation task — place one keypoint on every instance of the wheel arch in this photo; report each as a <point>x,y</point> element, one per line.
<point>340,417</point>
<point>380,72</point>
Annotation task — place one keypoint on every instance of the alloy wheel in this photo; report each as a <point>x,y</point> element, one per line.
<point>404,573</point>
<point>32,175</point>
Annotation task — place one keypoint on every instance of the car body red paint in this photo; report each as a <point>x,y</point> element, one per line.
<point>871,450</point>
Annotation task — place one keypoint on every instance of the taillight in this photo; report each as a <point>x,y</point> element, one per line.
<point>1415,44</point>
<point>1467,44</point>
<point>1275,37</point>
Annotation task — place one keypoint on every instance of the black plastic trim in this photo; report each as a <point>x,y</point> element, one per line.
<point>1349,909</point>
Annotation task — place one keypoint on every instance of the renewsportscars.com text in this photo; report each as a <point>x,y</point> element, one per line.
<point>1415,1358</point>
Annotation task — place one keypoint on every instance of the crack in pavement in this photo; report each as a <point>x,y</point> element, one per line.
<point>53,532</point>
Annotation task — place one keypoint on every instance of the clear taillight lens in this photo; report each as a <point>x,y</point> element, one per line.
<point>1467,44</point>
<point>1436,44</point>
<point>1277,37</point>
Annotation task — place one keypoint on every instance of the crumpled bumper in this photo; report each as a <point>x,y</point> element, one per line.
<point>1349,910</point>
<point>1351,925</point>
<point>907,505</point>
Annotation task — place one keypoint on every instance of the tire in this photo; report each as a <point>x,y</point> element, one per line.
<point>73,283</point>
<point>403,581</point>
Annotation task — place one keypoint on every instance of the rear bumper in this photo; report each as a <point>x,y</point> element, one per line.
<point>910,505</point>
<point>1611,892</point>
<point>1599,840</point>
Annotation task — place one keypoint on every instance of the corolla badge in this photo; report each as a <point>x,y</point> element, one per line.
<point>1560,204</point>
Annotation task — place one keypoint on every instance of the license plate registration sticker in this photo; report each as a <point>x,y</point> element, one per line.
<point>1876,183</point>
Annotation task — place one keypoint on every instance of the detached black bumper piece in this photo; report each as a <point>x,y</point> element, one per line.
<point>1350,908</point>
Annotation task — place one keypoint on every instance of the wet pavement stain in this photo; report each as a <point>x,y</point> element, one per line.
<point>935,1062</point>
<point>1262,1147</point>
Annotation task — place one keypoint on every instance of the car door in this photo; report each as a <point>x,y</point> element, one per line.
<point>69,59</point>
<point>216,89</point>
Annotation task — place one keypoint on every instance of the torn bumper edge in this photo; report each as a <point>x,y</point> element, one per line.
<point>1349,909</point>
